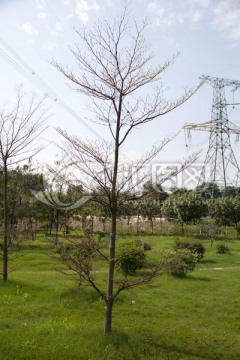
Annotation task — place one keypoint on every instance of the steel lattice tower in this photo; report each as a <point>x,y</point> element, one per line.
<point>220,166</point>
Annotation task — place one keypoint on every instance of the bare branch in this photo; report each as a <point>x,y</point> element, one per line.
<point>20,127</point>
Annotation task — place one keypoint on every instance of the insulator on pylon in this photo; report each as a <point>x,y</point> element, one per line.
<point>220,159</point>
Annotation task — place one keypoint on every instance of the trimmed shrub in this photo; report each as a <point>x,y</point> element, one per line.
<point>195,248</point>
<point>130,258</point>
<point>179,263</point>
<point>147,246</point>
<point>222,249</point>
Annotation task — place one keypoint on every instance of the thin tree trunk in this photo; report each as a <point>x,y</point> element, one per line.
<point>114,210</point>
<point>109,299</point>
<point>151,221</point>
<point>108,316</point>
<point>31,227</point>
<point>5,241</point>
<point>137,224</point>
<point>92,224</point>
<point>104,225</point>
<point>57,227</point>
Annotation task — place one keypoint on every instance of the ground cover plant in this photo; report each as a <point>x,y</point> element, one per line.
<point>45,315</point>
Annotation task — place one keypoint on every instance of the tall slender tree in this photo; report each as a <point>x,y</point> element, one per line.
<point>114,67</point>
<point>20,126</point>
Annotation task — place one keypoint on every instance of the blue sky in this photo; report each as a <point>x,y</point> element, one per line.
<point>205,32</point>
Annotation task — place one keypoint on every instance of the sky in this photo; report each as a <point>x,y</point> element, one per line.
<point>206,33</point>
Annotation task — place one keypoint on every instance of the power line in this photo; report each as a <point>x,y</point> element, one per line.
<point>30,74</point>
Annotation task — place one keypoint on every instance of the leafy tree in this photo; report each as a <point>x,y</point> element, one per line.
<point>179,191</point>
<point>153,198</point>
<point>149,210</point>
<point>230,191</point>
<point>21,205</point>
<point>128,210</point>
<point>114,65</point>
<point>226,210</point>
<point>209,190</point>
<point>154,191</point>
<point>186,207</point>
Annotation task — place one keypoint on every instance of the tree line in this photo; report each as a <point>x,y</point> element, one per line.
<point>26,213</point>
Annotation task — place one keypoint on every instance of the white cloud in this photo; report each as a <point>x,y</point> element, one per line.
<point>83,16</point>
<point>201,3</point>
<point>41,7</point>
<point>226,18</point>
<point>155,8</point>
<point>172,42</point>
<point>49,46</point>
<point>196,16</point>
<point>57,29</point>
<point>109,2</point>
<point>30,30</point>
<point>167,16</point>
<point>84,7</point>
<point>223,15</point>
<point>42,15</point>
<point>40,4</point>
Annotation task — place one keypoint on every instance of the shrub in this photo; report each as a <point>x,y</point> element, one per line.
<point>138,242</point>
<point>222,249</point>
<point>179,263</point>
<point>63,248</point>
<point>195,248</point>
<point>130,258</point>
<point>101,234</point>
<point>147,246</point>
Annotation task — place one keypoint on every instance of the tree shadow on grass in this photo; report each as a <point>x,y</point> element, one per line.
<point>138,345</point>
<point>196,278</point>
<point>79,293</point>
<point>207,261</point>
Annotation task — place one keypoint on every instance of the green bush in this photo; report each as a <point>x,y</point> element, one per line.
<point>179,263</point>
<point>130,258</point>
<point>222,249</point>
<point>101,234</point>
<point>195,248</point>
<point>147,246</point>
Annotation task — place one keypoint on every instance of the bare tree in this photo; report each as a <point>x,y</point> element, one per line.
<point>114,67</point>
<point>20,127</point>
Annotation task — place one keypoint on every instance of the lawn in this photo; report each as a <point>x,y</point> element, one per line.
<point>44,315</point>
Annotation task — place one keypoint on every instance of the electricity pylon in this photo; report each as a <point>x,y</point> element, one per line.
<point>220,166</point>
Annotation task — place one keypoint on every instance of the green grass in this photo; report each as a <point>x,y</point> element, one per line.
<point>44,315</point>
